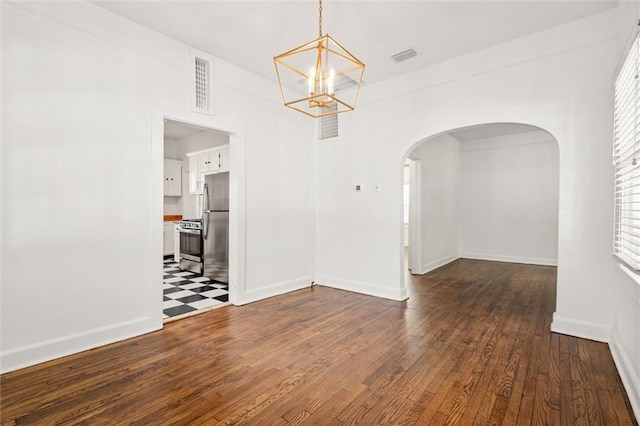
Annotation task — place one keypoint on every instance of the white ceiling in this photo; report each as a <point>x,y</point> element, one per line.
<point>176,130</point>
<point>250,34</point>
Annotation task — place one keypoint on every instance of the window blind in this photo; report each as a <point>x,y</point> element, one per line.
<point>626,160</point>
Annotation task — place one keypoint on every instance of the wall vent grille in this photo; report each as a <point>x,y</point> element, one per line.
<point>329,125</point>
<point>202,84</point>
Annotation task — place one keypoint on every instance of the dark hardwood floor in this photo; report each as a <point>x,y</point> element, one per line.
<point>471,346</point>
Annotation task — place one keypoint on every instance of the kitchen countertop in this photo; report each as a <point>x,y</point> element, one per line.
<point>172,217</point>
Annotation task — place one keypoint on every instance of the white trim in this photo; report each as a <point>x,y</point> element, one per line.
<point>275,290</point>
<point>2,358</point>
<point>527,138</point>
<point>438,263</point>
<point>625,50</point>
<point>578,328</point>
<point>429,84</point>
<point>47,16</point>
<point>28,355</point>
<point>202,151</point>
<point>634,277</point>
<point>628,374</point>
<point>415,224</point>
<point>511,259</point>
<point>405,234</point>
<point>237,185</point>
<point>364,288</point>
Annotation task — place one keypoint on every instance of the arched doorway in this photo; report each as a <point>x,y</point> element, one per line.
<point>487,192</point>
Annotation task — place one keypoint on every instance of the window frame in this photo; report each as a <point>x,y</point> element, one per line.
<point>626,157</point>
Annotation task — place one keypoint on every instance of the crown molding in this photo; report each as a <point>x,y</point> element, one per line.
<point>29,10</point>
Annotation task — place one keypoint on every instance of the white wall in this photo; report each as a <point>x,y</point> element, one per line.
<point>559,80</point>
<point>509,198</point>
<point>171,149</point>
<point>564,87</point>
<point>71,70</point>
<point>625,286</point>
<point>440,192</point>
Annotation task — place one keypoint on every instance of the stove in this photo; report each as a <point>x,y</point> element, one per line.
<point>191,249</point>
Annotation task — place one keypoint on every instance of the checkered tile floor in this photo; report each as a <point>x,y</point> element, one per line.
<point>186,292</point>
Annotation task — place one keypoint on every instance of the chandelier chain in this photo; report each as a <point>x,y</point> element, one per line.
<point>320,17</point>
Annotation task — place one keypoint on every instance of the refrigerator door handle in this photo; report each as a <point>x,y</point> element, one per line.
<point>205,225</point>
<point>205,209</point>
<point>205,197</point>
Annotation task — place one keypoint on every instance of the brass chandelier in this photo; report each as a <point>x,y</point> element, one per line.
<point>320,77</point>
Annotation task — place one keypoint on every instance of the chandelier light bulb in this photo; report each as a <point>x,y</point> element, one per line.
<point>311,82</point>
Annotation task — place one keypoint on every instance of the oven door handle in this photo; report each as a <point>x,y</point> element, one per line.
<point>189,231</point>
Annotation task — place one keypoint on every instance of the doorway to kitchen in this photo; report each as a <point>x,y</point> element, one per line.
<point>200,162</point>
<point>196,220</point>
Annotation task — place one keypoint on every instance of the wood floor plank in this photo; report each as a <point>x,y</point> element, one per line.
<point>585,404</point>
<point>471,346</point>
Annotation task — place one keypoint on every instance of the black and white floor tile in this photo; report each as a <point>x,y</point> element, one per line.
<point>185,291</point>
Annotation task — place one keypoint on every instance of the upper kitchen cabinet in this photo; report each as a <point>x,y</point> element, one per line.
<point>202,163</point>
<point>224,159</point>
<point>209,162</point>
<point>172,178</point>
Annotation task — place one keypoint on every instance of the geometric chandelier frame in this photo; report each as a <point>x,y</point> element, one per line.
<point>319,78</point>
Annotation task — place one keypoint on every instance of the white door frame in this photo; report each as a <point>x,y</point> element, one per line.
<point>415,213</point>
<point>237,213</point>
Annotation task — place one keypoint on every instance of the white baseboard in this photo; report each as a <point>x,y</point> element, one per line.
<point>628,374</point>
<point>398,294</point>
<point>274,290</point>
<point>582,329</point>
<point>436,264</point>
<point>28,355</point>
<point>511,259</point>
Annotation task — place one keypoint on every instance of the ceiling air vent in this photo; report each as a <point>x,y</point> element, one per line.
<point>342,82</point>
<point>403,56</point>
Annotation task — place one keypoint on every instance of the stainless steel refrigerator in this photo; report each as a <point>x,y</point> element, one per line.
<point>215,226</point>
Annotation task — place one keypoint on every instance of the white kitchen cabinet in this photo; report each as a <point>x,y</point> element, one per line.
<point>168,239</point>
<point>176,242</point>
<point>172,178</point>
<point>202,163</point>
<point>194,175</point>
<point>224,159</point>
<point>209,162</point>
